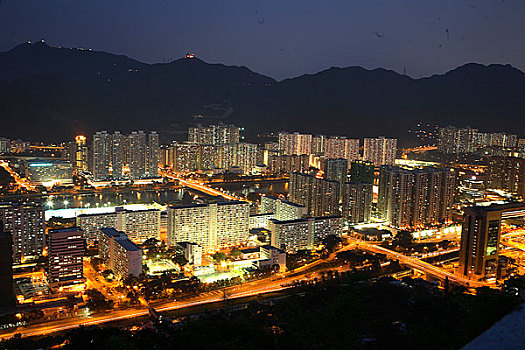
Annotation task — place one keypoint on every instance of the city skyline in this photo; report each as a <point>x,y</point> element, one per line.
<point>277,175</point>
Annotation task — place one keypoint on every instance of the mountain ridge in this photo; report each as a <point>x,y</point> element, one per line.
<point>81,91</point>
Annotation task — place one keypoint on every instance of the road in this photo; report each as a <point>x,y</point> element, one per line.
<point>254,288</point>
<point>417,264</point>
<point>19,181</point>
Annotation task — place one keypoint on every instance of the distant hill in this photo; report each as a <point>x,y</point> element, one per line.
<point>50,93</point>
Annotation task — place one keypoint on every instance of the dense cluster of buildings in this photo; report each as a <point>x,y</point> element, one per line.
<point>415,198</point>
<point>8,146</point>
<point>218,148</point>
<point>117,156</point>
<point>468,140</point>
<point>506,173</point>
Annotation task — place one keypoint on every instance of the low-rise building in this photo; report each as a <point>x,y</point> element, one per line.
<point>271,257</point>
<point>50,172</point>
<point>192,253</point>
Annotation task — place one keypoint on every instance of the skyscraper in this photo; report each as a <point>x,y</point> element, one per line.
<point>81,153</point>
<point>295,143</point>
<point>415,197</point>
<point>318,145</point>
<point>357,202</point>
<point>281,209</point>
<point>220,134</point>
<point>152,163</point>
<point>117,155</point>
<point>319,196</point>
<point>362,172</point>
<point>380,151</point>
<point>480,239</point>
<point>66,252</point>
<point>293,235</point>
<point>26,223</point>
<point>335,169</point>
<point>101,155</point>
<point>137,153</point>
<point>507,173</point>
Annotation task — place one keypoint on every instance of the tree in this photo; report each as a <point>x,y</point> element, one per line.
<point>95,263</point>
<point>331,243</point>
<point>219,257</point>
<point>96,300</point>
<point>71,302</point>
<point>235,253</point>
<point>403,239</point>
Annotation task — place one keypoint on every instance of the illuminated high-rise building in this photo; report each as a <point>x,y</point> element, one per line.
<point>26,223</point>
<point>318,145</point>
<point>415,197</point>
<point>210,225</point>
<point>295,143</point>
<point>153,155</point>
<point>281,209</point>
<point>319,196</point>
<point>480,239</point>
<point>306,233</point>
<point>137,154</point>
<point>65,253</point>
<point>214,134</point>
<point>335,169</point>
<point>507,173</point>
<point>81,153</point>
<point>117,155</point>
<point>246,154</point>
<point>380,151</point>
<point>243,155</point>
<point>139,225</point>
<point>120,255</point>
<point>101,155</point>
<point>357,202</point>
<point>286,164</point>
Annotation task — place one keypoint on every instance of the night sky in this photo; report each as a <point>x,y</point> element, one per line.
<point>281,38</point>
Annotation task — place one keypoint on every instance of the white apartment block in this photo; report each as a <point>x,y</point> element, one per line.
<point>139,225</point>
<point>210,225</point>
<point>293,235</point>
<point>282,209</point>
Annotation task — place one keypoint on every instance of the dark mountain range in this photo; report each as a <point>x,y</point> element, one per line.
<point>49,93</point>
